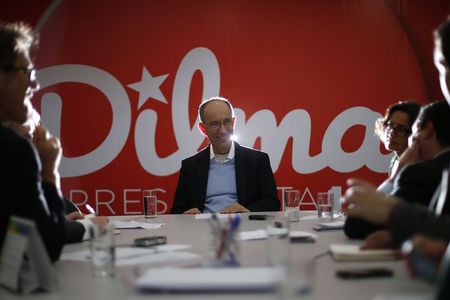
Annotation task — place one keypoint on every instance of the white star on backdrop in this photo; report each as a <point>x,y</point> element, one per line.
<point>148,87</point>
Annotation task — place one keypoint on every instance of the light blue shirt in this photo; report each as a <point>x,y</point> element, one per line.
<point>221,190</point>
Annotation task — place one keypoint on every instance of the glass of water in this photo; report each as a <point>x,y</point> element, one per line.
<point>325,207</point>
<point>102,248</point>
<point>149,204</point>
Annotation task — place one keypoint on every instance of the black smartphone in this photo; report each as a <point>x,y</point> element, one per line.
<point>150,241</point>
<point>364,273</point>
<point>257,217</point>
<point>302,239</point>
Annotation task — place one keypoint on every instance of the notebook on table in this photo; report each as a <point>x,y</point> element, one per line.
<point>354,253</point>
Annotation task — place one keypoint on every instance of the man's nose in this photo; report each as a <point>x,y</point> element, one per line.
<point>222,128</point>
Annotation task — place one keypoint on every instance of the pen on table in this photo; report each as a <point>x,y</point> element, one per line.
<point>91,210</point>
<point>230,238</point>
<point>229,233</point>
<point>223,237</point>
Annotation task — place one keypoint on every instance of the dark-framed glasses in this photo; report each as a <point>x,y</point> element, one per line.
<point>399,130</point>
<point>29,72</point>
<point>215,125</point>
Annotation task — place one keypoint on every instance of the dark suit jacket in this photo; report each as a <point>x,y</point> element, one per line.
<point>407,220</point>
<point>23,193</point>
<point>69,207</point>
<point>415,184</point>
<point>256,188</point>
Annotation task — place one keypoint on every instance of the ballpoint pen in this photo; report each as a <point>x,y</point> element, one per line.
<point>227,240</point>
<point>91,210</point>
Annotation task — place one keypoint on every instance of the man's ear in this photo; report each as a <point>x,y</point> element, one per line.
<point>202,128</point>
<point>234,121</point>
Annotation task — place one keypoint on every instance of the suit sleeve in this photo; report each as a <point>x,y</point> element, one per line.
<point>356,228</point>
<point>28,197</point>
<point>268,197</point>
<point>74,232</point>
<point>181,200</point>
<point>407,220</point>
<point>69,207</point>
<point>416,184</point>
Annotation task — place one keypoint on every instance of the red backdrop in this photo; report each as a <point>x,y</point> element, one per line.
<point>121,84</point>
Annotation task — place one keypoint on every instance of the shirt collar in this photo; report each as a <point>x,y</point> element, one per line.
<point>229,156</point>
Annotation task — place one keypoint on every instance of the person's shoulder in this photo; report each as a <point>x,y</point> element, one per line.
<point>429,166</point>
<point>249,151</point>
<point>443,157</point>
<point>6,133</point>
<point>440,161</point>
<point>416,167</point>
<point>199,155</point>
<point>12,141</point>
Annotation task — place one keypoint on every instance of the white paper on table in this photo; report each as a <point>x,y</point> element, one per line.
<point>261,234</point>
<point>137,255</point>
<point>207,216</point>
<point>136,224</point>
<point>334,224</point>
<point>299,234</point>
<point>209,279</point>
<point>315,216</point>
<point>354,253</point>
<point>406,296</point>
<point>310,217</point>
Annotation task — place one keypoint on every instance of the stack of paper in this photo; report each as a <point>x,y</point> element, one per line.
<point>261,234</point>
<point>354,253</point>
<point>329,226</point>
<point>136,224</point>
<point>209,279</point>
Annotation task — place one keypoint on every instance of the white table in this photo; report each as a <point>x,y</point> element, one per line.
<point>76,280</point>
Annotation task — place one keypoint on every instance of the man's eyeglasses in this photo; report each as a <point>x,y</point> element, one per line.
<point>29,72</point>
<point>215,125</point>
<point>399,130</point>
